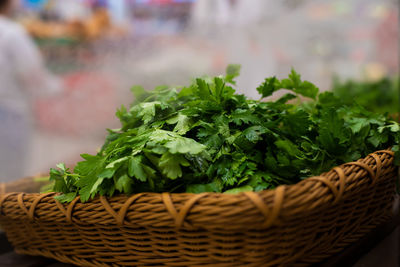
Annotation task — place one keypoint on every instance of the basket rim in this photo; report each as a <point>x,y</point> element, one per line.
<point>208,210</point>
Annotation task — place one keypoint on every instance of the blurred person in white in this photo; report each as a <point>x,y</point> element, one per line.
<point>23,77</point>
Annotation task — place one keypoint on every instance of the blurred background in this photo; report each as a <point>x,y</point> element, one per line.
<point>72,62</point>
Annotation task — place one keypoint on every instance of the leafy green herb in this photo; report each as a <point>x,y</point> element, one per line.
<point>377,96</point>
<point>206,138</point>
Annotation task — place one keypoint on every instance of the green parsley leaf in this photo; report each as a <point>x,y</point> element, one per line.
<point>207,138</point>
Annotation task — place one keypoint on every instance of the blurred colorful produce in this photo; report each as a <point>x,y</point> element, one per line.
<point>85,108</point>
<point>89,29</point>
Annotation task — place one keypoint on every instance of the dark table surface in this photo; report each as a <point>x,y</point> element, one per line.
<point>8,258</point>
<point>356,255</point>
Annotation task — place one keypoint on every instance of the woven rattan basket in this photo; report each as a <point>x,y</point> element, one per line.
<point>294,225</point>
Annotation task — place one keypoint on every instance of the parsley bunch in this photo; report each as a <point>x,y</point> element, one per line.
<point>206,138</point>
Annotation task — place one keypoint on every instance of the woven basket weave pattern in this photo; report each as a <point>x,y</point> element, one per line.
<point>294,225</point>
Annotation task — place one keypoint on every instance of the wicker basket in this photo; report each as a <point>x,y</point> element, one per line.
<point>294,225</point>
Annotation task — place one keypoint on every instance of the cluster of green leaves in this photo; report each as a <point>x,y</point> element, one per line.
<point>377,96</point>
<point>206,138</point>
